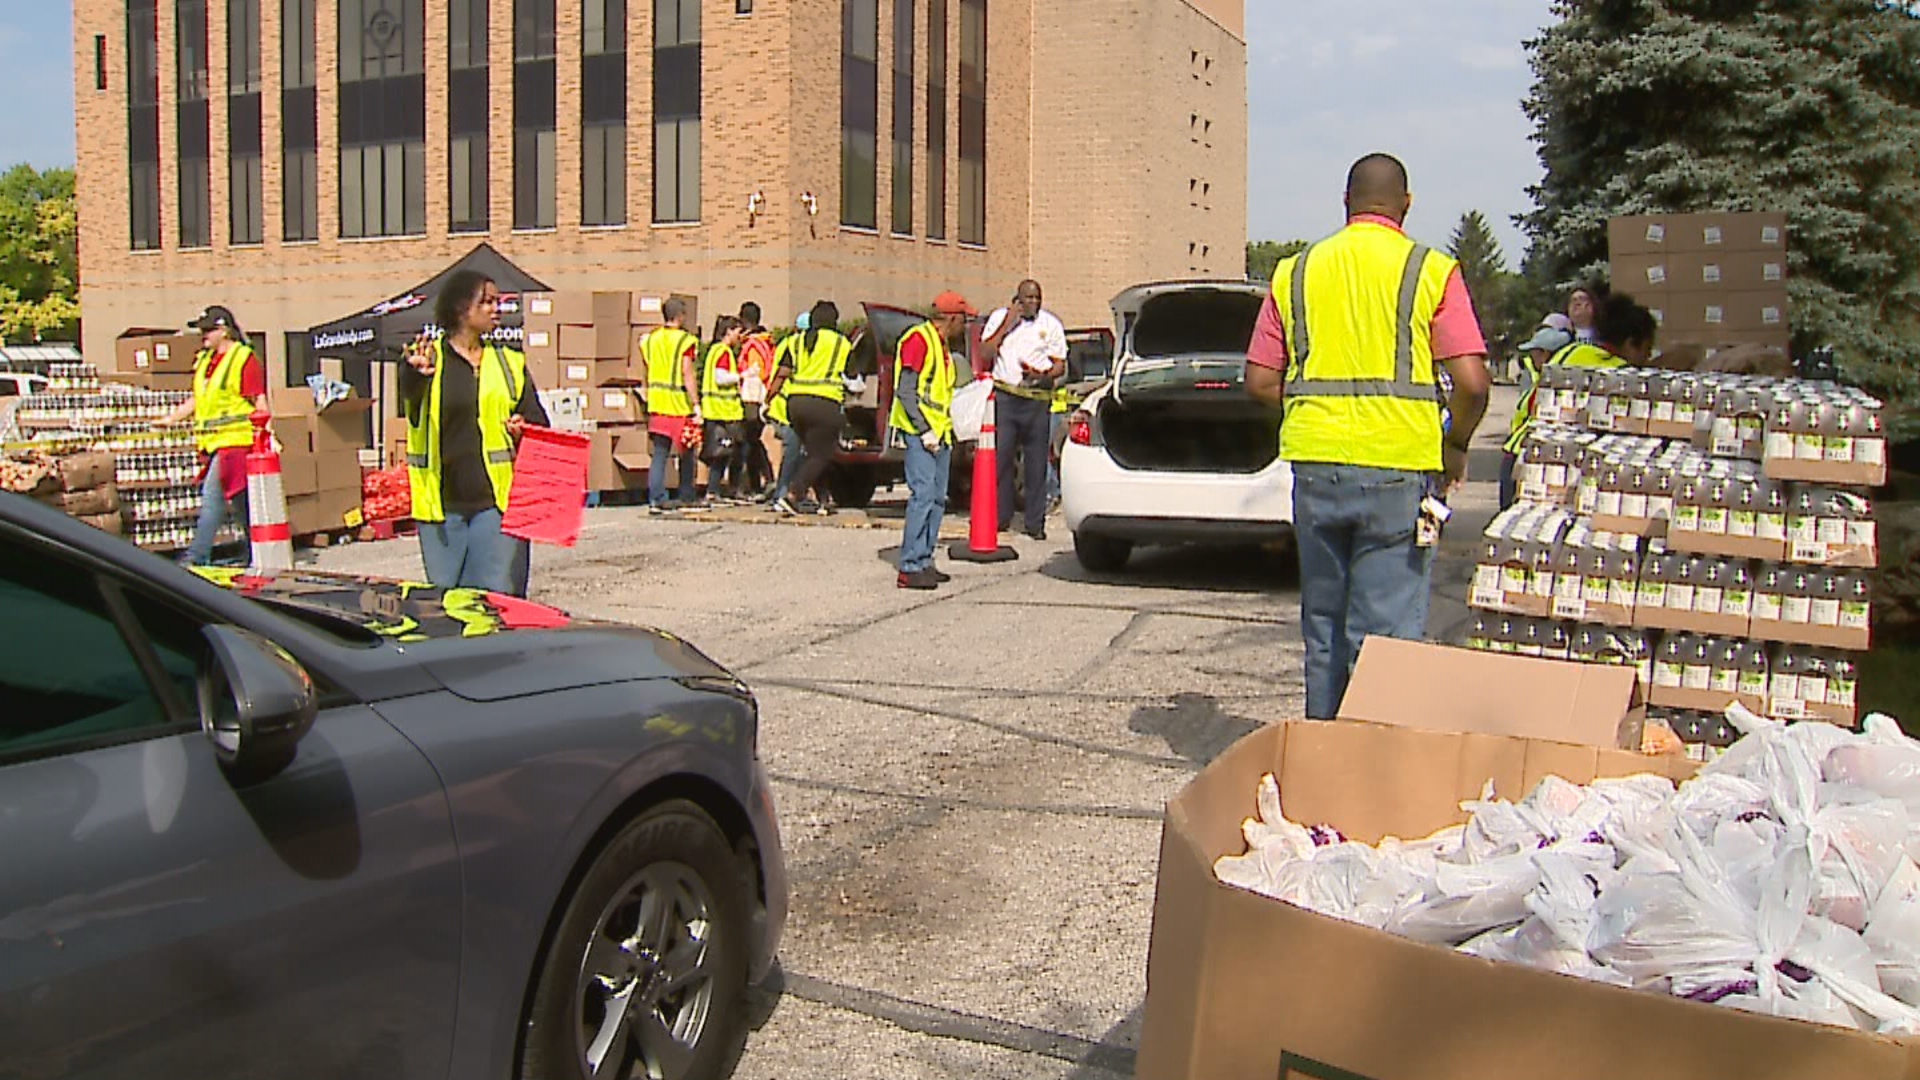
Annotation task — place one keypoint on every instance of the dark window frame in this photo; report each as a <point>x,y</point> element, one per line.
<point>603,113</point>
<point>860,114</point>
<point>245,215</point>
<point>143,125</point>
<point>973,122</point>
<point>469,96</point>
<point>382,121</point>
<point>904,24</point>
<point>193,124</point>
<point>678,89</point>
<point>299,123</point>
<point>937,74</point>
<point>535,115</point>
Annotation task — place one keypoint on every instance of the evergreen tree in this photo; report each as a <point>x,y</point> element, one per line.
<point>1809,107</point>
<point>1482,263</point>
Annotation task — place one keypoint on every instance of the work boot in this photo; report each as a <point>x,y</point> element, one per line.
<point>939,575</point>
<point>922,580</point>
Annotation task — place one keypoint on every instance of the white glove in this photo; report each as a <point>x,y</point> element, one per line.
<point>930,439</point>
<point>855,384</point>
<point>726,378</point>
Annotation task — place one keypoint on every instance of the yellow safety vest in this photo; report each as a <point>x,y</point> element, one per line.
<point>718,402</point>
<point>935,385</point>
<point>1579,354</point>
<point>222,415</point>
<point>1062,401</point>
<point>666,392</point>
<point>817,373</point>
<point>503,377</point>
<point>1357,309</point>
<point>782,357</point>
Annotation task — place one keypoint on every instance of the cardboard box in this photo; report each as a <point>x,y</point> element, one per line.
<point>601,341</point>
<point>343,425</point>
<point>337,470</point>
<point>1647,617</point>
<point>543,365</point>
<point>614,405</point>
<point>1243,986</point>
<point>620,458</point>
<point>1725,311</point>
<point>1629,526</point>
<point>600,307</point>
<point>645,310</point>
<point>155,350</point>
<point>587,374</point>
<point>299,474</point>
<point>1713,701</point>
<point>1694,542</point>
<point>1647,234</point>
<point>1825,472</point>
<point>537,305</point>
<point>1824,637</point>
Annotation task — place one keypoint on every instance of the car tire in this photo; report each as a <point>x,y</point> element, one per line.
<point>852,486</point>
<point>659,925</point>
<point>1101,554</point>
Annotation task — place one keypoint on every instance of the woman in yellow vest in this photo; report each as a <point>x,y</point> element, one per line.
<point>1624,332</point>
<point>813,375</point>
<point>467,401</point>
<point>723,443</point>
<point>792,453</point>
<point>229,386</point>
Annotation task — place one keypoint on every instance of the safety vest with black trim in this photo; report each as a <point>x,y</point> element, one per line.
<point>1579,354</point>
<point>934,385</point>
<point>721,403</point>
<point>817,372</point>
<point>782,357</point>
<point>222,414</point>
<point>666,392</point>
<point>1357,309</point>
<point>502,377</point>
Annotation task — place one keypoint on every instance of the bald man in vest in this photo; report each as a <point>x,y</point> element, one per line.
<point>1349,343</point>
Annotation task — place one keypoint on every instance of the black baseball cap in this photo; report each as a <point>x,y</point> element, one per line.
<point>215,316</point>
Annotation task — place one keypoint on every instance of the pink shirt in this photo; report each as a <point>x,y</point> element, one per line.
<point>1456,330</point>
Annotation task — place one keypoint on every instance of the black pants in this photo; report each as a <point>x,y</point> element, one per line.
<point>759,464</point>
<point>1024,429</point>
<point>818,422</point>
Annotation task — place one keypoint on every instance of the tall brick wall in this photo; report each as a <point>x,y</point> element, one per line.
<point>771,123</point>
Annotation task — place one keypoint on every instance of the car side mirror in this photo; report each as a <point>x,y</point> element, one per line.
<point>256,702</point>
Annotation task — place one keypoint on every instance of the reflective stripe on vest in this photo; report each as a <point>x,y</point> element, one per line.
<point>1579,354</point>
<point>502,377</point>
<point>718,402</point>
<point>666,390</point>
<point>222,415</point>
<point>817,372</point>
<point>934,385</point>
<point>1357,312</point>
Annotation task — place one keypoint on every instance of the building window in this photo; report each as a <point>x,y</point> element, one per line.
<point>99,61</point>
<point>243,122</point>
<point>299,124</point>
<point>902,106</point>
<point>676,111</point>
<point>193,122</point>
<point>383,118</point>
<point>937,119</point>
<point>467,108</point>
<point>859,113</point>
<point>603,113</point>
<point>973,121</point>
<point>535,159</point>
<point>143,124</point>
<point>300,359</point>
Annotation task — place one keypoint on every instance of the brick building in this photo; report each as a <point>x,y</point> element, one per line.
<point>299,159</point>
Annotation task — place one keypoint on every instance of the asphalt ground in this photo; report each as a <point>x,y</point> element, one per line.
<point>970,782</point>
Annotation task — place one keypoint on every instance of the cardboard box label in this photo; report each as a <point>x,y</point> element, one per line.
<point>141,359</point>
<point>577,372</point>
<point>1771,316</point>
<point>540,305</point>
<point>1656,234</point>
<point>1710,274</point>
<point>1716,315</point>
<point>613,399</point>
<point>539,339</point>
<point>1713,235</point>
<point>650,304</point>
<point>1770,234</point>
<point>162,352</point>
<point>1773,271</point>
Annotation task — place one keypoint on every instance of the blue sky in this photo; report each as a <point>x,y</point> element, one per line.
<point>1438,84</point>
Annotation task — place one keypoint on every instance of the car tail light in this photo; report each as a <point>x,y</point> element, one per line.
<point>1080,429</point>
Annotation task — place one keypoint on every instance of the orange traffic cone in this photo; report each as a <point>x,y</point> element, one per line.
<point>269,532</point>
<point>983,527</point>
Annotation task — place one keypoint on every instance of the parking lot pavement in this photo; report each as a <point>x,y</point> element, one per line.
<point>970,781</point>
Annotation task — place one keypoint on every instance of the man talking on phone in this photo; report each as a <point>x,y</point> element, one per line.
<point>1027,347</point>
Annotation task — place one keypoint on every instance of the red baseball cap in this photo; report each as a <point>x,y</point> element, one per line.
<point>952,303</point>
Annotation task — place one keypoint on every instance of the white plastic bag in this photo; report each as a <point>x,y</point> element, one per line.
<point>969,409</point>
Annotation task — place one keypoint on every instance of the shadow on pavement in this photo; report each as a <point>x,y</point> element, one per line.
<point>1114,1055</point>
<point>1194,726</point>
<point>1210,568</point>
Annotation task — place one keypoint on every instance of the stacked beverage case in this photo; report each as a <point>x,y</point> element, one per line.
<point>1715,532</point>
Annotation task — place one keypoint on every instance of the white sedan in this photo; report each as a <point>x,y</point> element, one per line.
<point>1172,450</point>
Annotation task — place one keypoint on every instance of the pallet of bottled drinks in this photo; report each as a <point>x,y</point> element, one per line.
<point>156,470</point>
<point>1714,532</point>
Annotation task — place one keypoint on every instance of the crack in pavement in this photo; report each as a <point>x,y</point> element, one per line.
<point>865,624</point>
<point>807,686</point>
<point>997,693</point>
<point>948,802</point>
<point>1114,647</point>
<point>943,1023</point>
<point>1149,609</point>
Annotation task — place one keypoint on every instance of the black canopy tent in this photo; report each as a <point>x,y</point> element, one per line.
<point>380,333</point>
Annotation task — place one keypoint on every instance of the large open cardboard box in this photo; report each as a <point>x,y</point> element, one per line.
<point>1242,986</point>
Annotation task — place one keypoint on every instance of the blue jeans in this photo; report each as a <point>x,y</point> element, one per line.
<point>470,552</point>
<point>1361,573</point>
<point>927,472</point>
<point>664,448</point>
<point>792,453</point>
<point>213,514</point>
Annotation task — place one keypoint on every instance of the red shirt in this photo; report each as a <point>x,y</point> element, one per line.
<point>1456,330</point>
<point>233,460</point>
<point>913,352</point>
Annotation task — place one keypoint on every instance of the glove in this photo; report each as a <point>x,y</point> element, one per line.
<point>930,439</point>
<point>724,377</point>
<point>855,384</point>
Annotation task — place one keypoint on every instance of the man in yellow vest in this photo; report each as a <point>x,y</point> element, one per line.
<point>229,386</point>
<point>923,381</point>
<point>1348,342</point>
<point>673,403</point>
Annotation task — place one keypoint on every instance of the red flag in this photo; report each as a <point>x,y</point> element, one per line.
<point>549,499</point>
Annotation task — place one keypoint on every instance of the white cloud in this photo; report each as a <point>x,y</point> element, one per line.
<point>1368,46</point>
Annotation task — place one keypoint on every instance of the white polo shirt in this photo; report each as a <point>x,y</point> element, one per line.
<point>1033,346</point>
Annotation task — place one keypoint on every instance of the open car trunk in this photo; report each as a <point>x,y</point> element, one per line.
<point>1180,402</point>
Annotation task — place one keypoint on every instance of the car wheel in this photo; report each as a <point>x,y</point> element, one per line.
<point>1101,554</point>
<point>646,975</point>
<point>852,486</point>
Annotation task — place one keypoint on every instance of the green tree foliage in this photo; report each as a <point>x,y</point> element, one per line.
<point>1264,255</point>
<point>39,254</point>
<point>1808,107</point>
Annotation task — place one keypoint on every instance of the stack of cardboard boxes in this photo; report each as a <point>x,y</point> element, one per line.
<point>1713,280</point>
<point>154,359</point>
<point>583,349</point>
<point>320,461</point>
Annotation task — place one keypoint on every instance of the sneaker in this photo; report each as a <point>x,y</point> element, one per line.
<point>939,575</point>
<point>921,580</point>
<point>659,509</point>
<point>807,506</point>
<point>1037,534</point>
<point>782,506</point>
